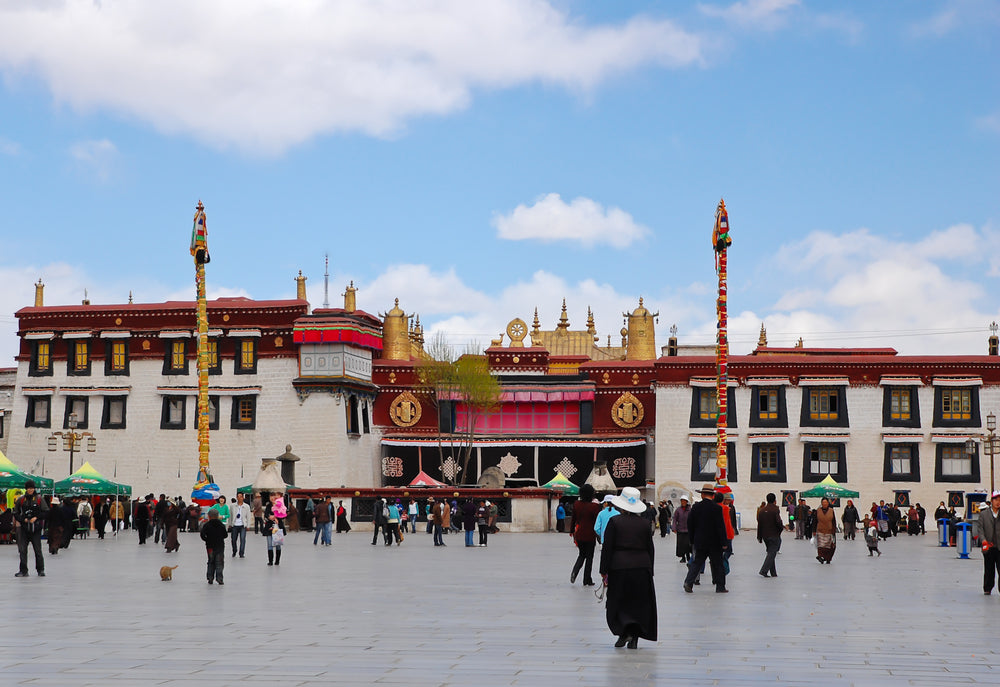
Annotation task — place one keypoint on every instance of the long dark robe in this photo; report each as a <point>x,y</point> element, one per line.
<point>342,524</point>
<point>627,560</point>
<point>170,525</point>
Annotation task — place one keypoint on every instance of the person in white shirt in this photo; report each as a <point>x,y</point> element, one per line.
<point>239,516</point>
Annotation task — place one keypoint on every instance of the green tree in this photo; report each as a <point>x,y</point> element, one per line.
<point>467,383</point>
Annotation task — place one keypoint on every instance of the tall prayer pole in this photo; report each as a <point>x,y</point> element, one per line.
<point>204,491</point>
<point>721,243</point>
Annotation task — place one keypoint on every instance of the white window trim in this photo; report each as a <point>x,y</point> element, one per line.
<point>244,333</point>
<point>768,381</point>
<point>824,381</point>
<point>78,335</point>
<point>214,391</point>
<point>815,438</point>
<point>957,381</point>
<point>709,382</point>
<point>900,381</point>
<point>95,391</point>
<point>767,438</point>
<point>175,334</point>
<point>40,336</point>
<point>116,335</point>
<point>38,391</point>
<point>902,438</point>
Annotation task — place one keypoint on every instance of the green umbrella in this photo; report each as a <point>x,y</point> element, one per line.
<point>12,477</point>
<point>89,482</point>
<point>830,489</point>
<point>560,483</point>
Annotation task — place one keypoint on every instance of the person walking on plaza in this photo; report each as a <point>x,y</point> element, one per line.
<point>826,532</point>
<point>912,521</point>
<point>581,528</point>
<point>708,537</point>
<point>342,524</point>
<point>882,519</point>
<point>801,518</point>
<point>378,518</point>
<point>989,528</point>
<point>921,517</point>
<point>117,513</point>
<point>663,514</point>
<point>436,520</point>
<point>627,570</point>
<point>412,514</point>
<point>483,522</point>
<point>257,508</point>
<point>607,512</point>
<point>101,516</point>
<point>56,525</point>
<point>274,523</point>
<point>560,517</point>
<point>169,519</point>
<point>323,514</point>
<point>469,521</point>
<point>682,549</point>
<point>141,519</point>
<point>769,529</point>
<point>214,534</point>
<point>30,510</point>
<point>222,508</point>
<point>871,536</point>
<point>239,518</point>
<point>850,519</point>
<point>84,511</point>
<point>158,510</point>
<point>392,526</point>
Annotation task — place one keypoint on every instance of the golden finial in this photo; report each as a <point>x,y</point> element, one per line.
<point>130,296</point>
<point>591,329</point>
<point>800,344</point>
<point>536,325</point>
<point>762,341</point>
<point>39,294</point>
<point>350,298</point>
<point>300,287</point>
<point>563,318</point>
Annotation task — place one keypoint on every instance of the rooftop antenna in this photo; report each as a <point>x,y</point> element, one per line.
<point>326,282</point>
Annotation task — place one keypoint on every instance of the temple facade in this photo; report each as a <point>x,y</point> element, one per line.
<point>348,391</point>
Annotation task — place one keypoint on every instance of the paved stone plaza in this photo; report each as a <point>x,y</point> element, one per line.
<point>356,614</point>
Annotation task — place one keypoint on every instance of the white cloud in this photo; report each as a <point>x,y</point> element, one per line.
<point>761,14</point>
<point>583,220</point>
<point>957,15</point>
<point>95,158</point>
<point>990,122</point>
<point>263,75</point>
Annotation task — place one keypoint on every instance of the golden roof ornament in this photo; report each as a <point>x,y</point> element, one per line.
<point>39,294</point>
<point>350,298</point>
<point>762,341</point>
<point>563,318</point>
<point>535,326</point>
<point>800,343</point>
<point>591,329</point>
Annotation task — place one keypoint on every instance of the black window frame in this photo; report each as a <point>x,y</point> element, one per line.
<point>842,419</point>
<point>238,367</point>
<point>32,402</point>
<point>366,425</point>
<point>33,369</point>
<point>914,475</point>
<point>698,476</point>
<point>697,421</point>
<point>214,424</point>
<point>235,421</point>
<point>352,415</point>
<point>71,369</point>
<point>165,413</point>
<point>755,473</point>
<point>216,369</point>
<point>106,412</point>
<point>954,479</point>
<point>756,420</point>
<point>975,418</point>
<point>168,358</point>
<point>887,420</point>
<point>809,476</point>
<point>109,358</point>
<point>81,423</point>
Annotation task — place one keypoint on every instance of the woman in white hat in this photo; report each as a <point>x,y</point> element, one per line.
<point>627,569</point>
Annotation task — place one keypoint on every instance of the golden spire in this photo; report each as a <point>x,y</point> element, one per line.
<point>590,322</point>
<point>563,319</point>
<point>300,287</point>
<point>350,300</point>
<point>800,344</point>
<point>39,294</point>
<point>536,325</point>
<point>130,296</point>
<point>762,341</point>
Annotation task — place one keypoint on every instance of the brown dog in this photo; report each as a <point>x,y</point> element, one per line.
<point>167,573</point>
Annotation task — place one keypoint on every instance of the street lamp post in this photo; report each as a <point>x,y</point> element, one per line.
<point>72,440</point>
<point>991,444</point>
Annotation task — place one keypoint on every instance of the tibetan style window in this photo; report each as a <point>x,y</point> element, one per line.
<point>246,356</point>
<point>175,361</point>
<point>900,407</point>
<point>173,414</point>
<point>954,464</point>
<point>956,407</point>
<point>214,366</point>
<point>39,412</point>
<point>79,406</point>
<point>768,463</point>
<point>244,412</point>
<point>902,463</point>
<point>41,359</point>
<point>824,407</point>
<point>213,412</point>
<point>767,407</point>
<point>79,357</point>
<point>820,460</point>
<point>113,415</point>
<point>705,407</point>
<point>116,357</point>
<point>703,462</point>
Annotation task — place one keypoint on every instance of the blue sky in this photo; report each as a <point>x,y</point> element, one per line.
<point>480,159</point>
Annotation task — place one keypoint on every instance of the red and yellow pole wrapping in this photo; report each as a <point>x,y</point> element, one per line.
<point>721,242</point>
<point>199,250</point>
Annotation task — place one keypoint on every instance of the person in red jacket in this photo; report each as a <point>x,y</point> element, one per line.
<point>582,530</point>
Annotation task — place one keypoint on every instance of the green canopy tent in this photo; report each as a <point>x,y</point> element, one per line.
<point>830,489</point>
<point>89,482</point>
<point>12,477</point>
<point>560,483</point>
